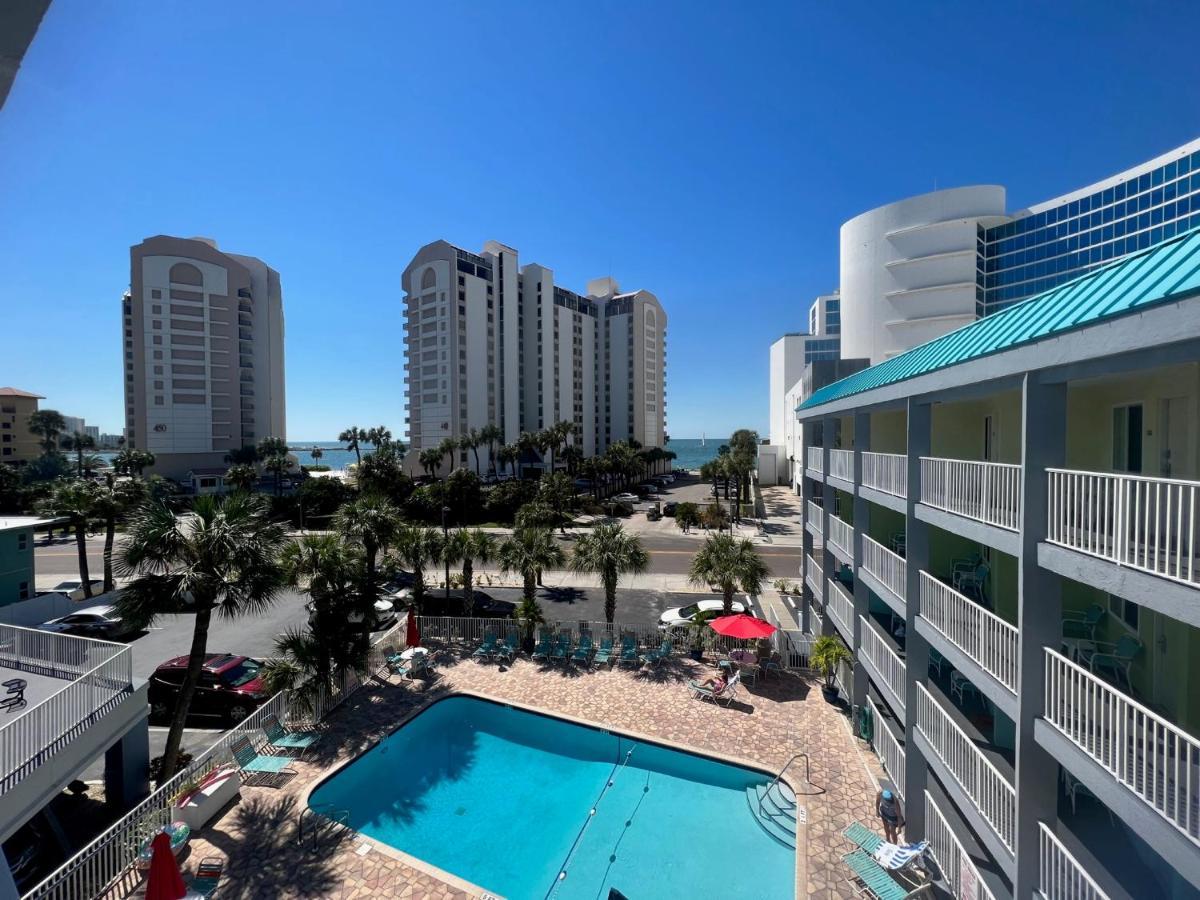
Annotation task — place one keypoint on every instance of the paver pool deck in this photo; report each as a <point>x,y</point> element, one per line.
<point>767,724</point>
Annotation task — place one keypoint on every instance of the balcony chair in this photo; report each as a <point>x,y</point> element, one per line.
<point>900,543</point>
<point>973,581</point>
<point>936,662</point>
<point>1082,624</point>
<point>1117,658</point>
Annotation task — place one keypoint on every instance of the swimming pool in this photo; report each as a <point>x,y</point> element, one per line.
<point>503,798</point>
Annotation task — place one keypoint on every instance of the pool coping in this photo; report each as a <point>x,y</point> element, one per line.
<point>801,849</point>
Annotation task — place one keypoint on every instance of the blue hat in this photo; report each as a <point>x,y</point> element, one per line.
<point>887,795</point>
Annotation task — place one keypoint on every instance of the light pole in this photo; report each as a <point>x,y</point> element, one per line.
<point>446,556</point>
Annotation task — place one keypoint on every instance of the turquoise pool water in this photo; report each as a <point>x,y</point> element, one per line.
<point>503,798</point>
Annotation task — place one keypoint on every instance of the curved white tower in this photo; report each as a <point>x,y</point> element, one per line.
<point>908,269</point>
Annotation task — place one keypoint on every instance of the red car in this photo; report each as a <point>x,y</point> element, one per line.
<point>230,687</point>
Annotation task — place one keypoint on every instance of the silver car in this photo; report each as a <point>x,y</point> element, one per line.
<point>103,622</point>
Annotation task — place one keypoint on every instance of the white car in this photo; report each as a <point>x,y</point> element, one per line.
<point>103,622</point>
<point>669,479</point>
<point>626,498</point>
<point>682,615</point>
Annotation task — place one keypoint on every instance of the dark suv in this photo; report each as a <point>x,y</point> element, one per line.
<point>229,687</point>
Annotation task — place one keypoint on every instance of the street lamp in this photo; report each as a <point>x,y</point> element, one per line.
<point>445,536</point>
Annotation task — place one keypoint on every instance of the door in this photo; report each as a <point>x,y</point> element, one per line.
<point>1127,438</point>
<point>1174,453</point>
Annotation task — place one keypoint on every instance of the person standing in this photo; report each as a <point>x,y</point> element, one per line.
<point>891,814</point>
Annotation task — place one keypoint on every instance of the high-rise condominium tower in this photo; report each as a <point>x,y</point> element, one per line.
<point>203,353</point>
<point>488,342</point>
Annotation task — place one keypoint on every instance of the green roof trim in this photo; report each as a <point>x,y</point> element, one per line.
<point>1159,274</point>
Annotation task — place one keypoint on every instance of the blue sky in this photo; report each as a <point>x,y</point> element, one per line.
<point>705,151</point>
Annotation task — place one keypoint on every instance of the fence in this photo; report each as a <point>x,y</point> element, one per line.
<point>816,459</point>
<point>890,750</point>
<point>983,636</point>
<point>816,516</point>
<point>841,537</point>
<point>886,661</point>
<point>886,472</point>
<point>890,568</point>
<point>812,576</point>
<point>841,609</point>
<point>841,465</point>
<point>1133,520</point>
<point>1061,876</point>
<point>1158,761</point>
<point>958,869</point>
<point>985,491</point>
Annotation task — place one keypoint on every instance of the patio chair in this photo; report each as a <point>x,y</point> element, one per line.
<point>254,763</point>
<point>208,876</point>
<point>604,655</point>
<point>583,652</point>
<point>629,651</point>
<point>508,652</point>
<point>1082,624</point>
<point>894,857</point>
<point>417,664</point>
<point>936,662</point>
<point>487,649</point>
<point>1117,658</point>
<point>544,646</point>
<point>900,543</point>
<point>562,648</point>
<point>973,580</point>
<point>278,736</point>
<point>654,657</point>
<point>14,695</point>
<point>725,695</point>
<point>876,880</point>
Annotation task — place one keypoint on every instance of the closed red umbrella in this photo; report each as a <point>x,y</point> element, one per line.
<point>742,626</point>
<point>164,881</point>
<point>412,634</point>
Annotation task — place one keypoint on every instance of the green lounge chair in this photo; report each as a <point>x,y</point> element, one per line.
<point>487,649</point>
<point>583,652</point>
<point>253,763</point>
<point>654,657</point>
<point>877,881</point>
<point>511,645</point>
<point>562,648</point>
<point>208,876</point>
<point>278,736</point>
<point>629,651</point>
<point>544,646</point>
<point>605,654</point>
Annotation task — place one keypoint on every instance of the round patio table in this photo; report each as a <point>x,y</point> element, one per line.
<point>414,651</point>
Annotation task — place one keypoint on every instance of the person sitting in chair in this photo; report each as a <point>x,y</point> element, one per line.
<point>715,683</point>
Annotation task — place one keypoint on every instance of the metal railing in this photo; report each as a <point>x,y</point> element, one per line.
<point>958,869</point>
<point>1155,759</point>
<point>993,795</point>
<point>97,676</point>
<point>841,609</point>
<point>889,750</point>
<point>812,575</point>
<point>890,568</point>
<point>1133,520</point>
<point>886,472</point>
<point>982,635</point>
<point>985,491</point>
<point>886,661</point>
<point>1061,877</point>
<point>816,516</point>
<point>815,459</point>
<point>792,645</point>
<point>841,465</point>
<point>841,535</point>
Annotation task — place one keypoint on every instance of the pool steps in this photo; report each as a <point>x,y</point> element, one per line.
<point>774,808</point>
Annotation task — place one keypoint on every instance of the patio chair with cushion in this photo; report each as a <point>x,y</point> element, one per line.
<point>894,857</point>
<point>1116,658</point>
<point>877,881</point>
<point>629,651</point>
<point>208,876</point>
<point>583,652</point>
<point>562,648</point>
<point>1082,623</point>
<point>252,763</point>
<point>655,657</point>
<point>512,644</point>
<point>604,655</point>
<point>487,649</point>
<point>278,736</point>
<point>545,644</point>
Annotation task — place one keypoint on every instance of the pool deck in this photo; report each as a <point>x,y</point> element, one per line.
<point>766,724</point>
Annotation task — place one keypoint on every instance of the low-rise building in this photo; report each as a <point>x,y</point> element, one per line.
<point>18,445</point>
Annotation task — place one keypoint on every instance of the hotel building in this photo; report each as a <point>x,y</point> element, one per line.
<point>488,341</point>
<point>203,353</point>
<point>18,445</point>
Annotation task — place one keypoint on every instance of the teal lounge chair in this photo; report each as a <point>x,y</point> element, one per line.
<point>511,645</point>
<point>654,657</point>
<point>605,654</point>
<point>411,668</point>
<point>629,651</point>
<point>208,876</point>
<point>562,648</point>
<point>487,649</point>
<point>278,736</point>
<point>544,646</point>
<point>877,881</point>
<point>253,763</point>
<point>583,652</point>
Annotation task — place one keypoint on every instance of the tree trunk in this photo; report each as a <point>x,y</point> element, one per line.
<point>81,544</point>
<point>530,586</point>
<point>188,690</point>
<point>357,453</point>
<point>418,588</point>
<point>610,598</point>
<point>475,450</point>
<point>728,599</point>
<point>110,532</point>
<point>468,586</point>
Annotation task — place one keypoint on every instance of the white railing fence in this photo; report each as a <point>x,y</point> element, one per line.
<point>1061,877</point>
<point>1158,761</point>
<point>841,536</point>
<point>983,636</point>
<point>1144,523</point>
<point>889,750</point>
<point>792,645</point>
<point>958,870</point>
<point>816,459</point>
<point>841,464</point>
<point>890,568</point>
<point>985,491</point>
<point>885,660</point>
<point>994,796</point>
<point>841,609</point>
<point>812,576</point>
<point>816,516</point>
<point>886,472</point>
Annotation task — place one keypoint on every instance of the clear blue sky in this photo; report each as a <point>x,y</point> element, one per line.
<point>705,151</point>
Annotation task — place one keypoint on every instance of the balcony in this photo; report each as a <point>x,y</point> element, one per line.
<point>1156,760</point>
<point>886,473</point>
<point>1060,877</point>
<point>812,575</point>
<point>984,491</point>
<point>840,606</point>
<point>952,857</point>
<point>841,465</point>
<point>888,748</point>
<point>1142,523</point>
<point>816,519</point>
<point>815,460</point>
<point>889,569</point>
<point>889,667</point>
<point>992,794</point>
<point>245,334</point>
<point>841,538</point>
<point>985,638</point>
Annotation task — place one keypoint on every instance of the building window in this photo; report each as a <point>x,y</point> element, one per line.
<point>158,401</point>
<point>155,294</point>
<point>23,541</point>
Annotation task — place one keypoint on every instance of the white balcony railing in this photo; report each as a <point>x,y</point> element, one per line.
<point>816,516</point>
<point>1132,520</point>
<point>1061,877</point>
<point>817,625</point>
<point>886,472</point>
<point>816,459</point>
<point>1158,761</point>
<point>985,491</point>
<point>96,676</point>
<point>812,576</point>
<point>841,464</point>
<point>891,754</point>
<point>991,792</point>
<point>841,608</point>
<point>983,636</point>
<point>841,536</point>
<point>961,875</point>
<point>886,661</point>
<point>890,568</point>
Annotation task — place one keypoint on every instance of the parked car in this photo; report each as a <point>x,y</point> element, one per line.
<point>626,498</point>
<point>385,611</point>
<point>669,508</point>
<point>73,588</point>
<point>648,488</point>
<point>103,622</point>
<point>230,687</point>
<point>679,616</point>
<point>667,478</point>
<point>485,605</point>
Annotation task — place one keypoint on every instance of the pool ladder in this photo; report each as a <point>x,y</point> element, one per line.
<point>779,777</point>
<point>326,811</point>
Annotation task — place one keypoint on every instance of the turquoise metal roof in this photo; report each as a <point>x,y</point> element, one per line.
<point>1160,274</point>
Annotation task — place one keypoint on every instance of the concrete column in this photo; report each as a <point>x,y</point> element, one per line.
<point>127,768</point>
<point>829,429</point>
<point>862,521</point>
<point>1039,620</point>
<point>916,655</point>
<point>807,493</point>
<point>8,887</point>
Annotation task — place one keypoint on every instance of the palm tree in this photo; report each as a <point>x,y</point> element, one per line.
<point>91,464</point>
<point>467,546</point>
<point>79,442</point>
<point>471,441</point>
<point>491,435</point>
<point>47,424</point>
<point>416,546</point>
<point>111,502</point>
<point>730,564</point>
<point>277,464</point>
<point>378,437</point>
<point>372,522</point>
<point>240,456</point>
<point>610,552</point>
<point>508,456</point>
<point>76,502</point>
<point>316,453</point>
<point>448,447</point>
<point>351,437</point>
<point>222,558</point>
<point>431,460</point>
<point>530,551</point>
<point>243,477</point>
<point>545,441</point>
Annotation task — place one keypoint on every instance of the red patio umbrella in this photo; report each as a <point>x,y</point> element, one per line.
<point>742,626</point>
<point>412,634</point>
<point>164,881</point>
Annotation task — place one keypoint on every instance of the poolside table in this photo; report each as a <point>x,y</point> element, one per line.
<point>747,660</point>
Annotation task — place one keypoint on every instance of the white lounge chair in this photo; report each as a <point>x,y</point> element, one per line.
<point>723,696</point>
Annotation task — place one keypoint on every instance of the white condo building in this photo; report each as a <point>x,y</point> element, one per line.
<point>491,342</point>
